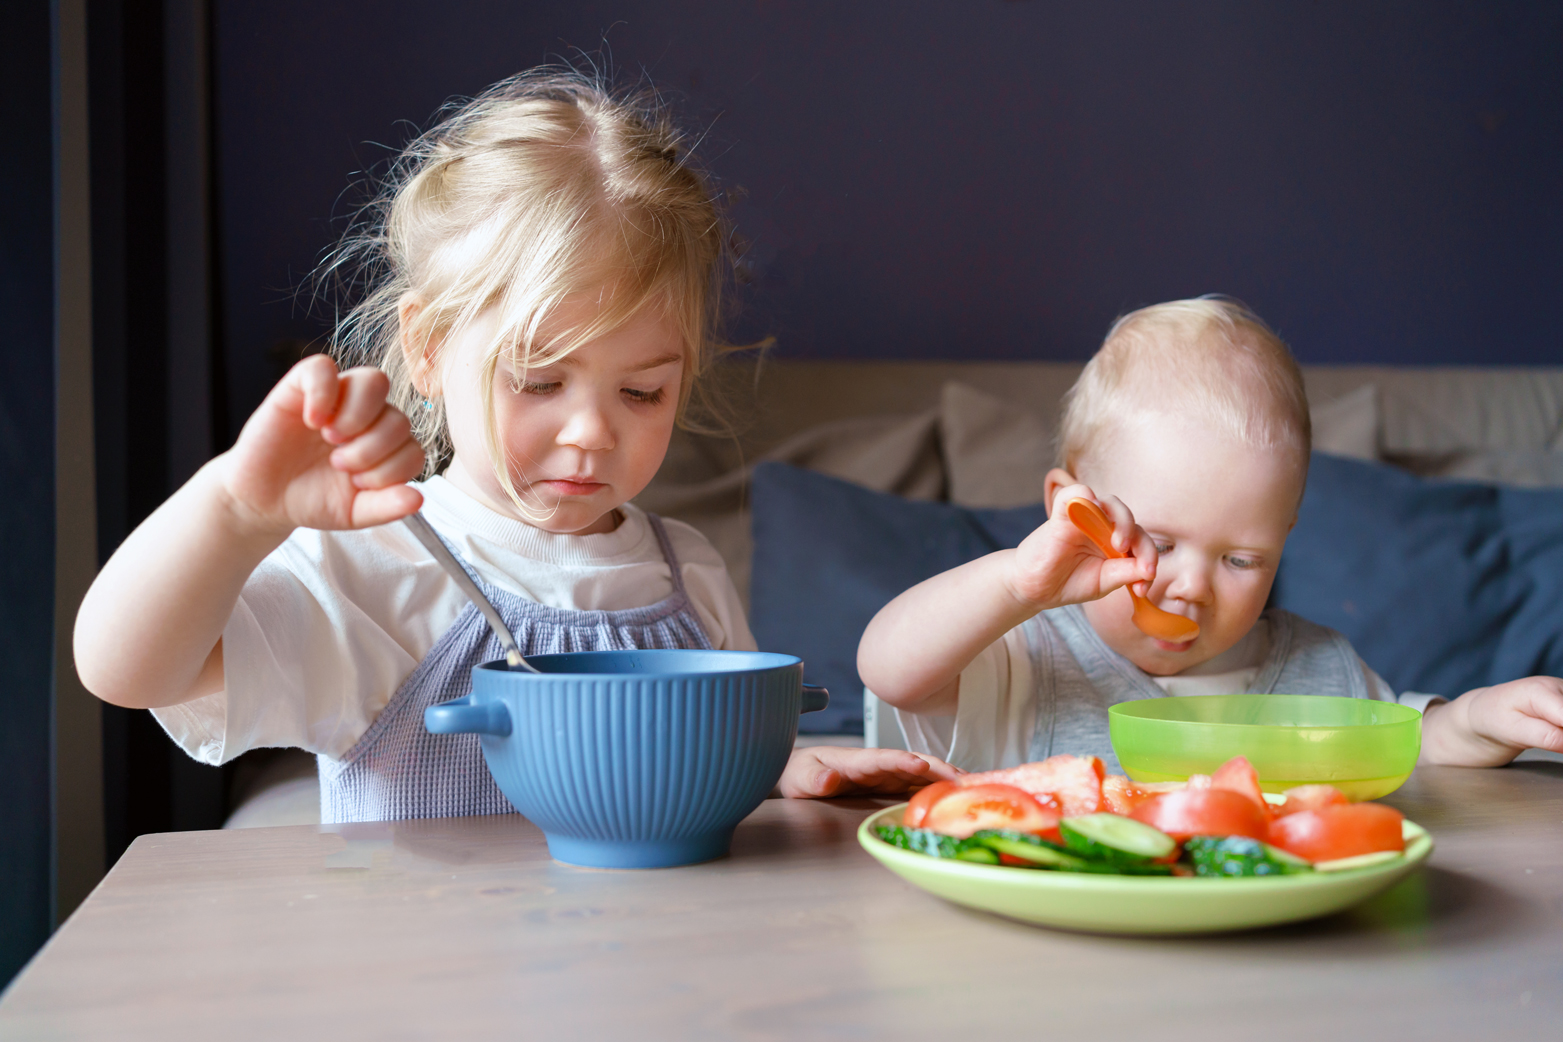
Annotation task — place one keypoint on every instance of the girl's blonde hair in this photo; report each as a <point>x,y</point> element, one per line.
<point>549,184</point>
<point>1210,359</point>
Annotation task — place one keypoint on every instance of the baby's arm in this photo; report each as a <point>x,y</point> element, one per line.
<point>324,450</point>
<point>1490,726</point>
<point>913,651</point>
<point>822,771</point>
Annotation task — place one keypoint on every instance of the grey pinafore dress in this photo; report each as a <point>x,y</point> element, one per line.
<point>1078,676</point>
<point>398,770</point>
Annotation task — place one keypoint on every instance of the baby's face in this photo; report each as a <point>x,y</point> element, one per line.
<point>583,435</point>
<point>1219,512</point>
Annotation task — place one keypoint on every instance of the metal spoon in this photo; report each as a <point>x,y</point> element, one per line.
<point>432,542</point>
<point>1094,523</point>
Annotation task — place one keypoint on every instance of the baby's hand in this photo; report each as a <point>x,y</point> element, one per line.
<point>324,450</point>
<point>822,771</point>
<point>1490,726</point>
<point>1058,565</point>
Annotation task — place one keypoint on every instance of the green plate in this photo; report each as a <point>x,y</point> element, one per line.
<point>1140,905</point>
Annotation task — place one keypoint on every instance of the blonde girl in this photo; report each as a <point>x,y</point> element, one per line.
<point>542,278</point>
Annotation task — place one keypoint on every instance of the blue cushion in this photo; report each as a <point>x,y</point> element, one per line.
<point>1442,586</point>
<point>829,554</point>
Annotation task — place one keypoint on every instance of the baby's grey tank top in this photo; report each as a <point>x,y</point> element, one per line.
<point>1078,676</point>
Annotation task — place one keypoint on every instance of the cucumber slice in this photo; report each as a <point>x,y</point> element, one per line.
<point>978,853</point>
<point>1116,839</point>
<point>922,841</point>
<point>1240,856</point>
<point>1346,864</point>
<point>1029,848</point>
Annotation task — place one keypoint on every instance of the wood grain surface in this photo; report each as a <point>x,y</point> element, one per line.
<point>465,928</point>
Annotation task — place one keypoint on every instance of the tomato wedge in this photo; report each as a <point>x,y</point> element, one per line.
<point>1339,831</point>
<point>1310,797</point>
<point>1203,812</point>
<point>1073,782</point>
<point>1121,796</point>
<point>1238,775</point>
<point>972,808</point>
<point>917,810</point>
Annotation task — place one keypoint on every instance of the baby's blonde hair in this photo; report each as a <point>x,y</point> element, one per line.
<point>548,184</point>
<point>1210,358</point>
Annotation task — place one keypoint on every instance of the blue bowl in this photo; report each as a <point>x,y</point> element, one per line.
<point>635,759</point>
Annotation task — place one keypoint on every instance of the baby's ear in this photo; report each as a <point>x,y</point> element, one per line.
<point>418,346</point>
<point>1057,478</point>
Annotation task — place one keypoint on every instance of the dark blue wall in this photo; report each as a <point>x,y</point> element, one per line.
<point>27,475</point>
<point>986,179</point>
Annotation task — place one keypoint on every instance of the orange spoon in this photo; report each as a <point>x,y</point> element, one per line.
<point>1151,620</point>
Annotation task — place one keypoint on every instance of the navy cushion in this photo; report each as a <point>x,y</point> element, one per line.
<point>1442,586</point>
<point>829,554</point>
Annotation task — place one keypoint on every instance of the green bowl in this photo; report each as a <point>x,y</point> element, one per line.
<point>1364,748</point>
<point>1141,904</point>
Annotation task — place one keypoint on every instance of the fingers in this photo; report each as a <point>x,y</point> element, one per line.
<point>1061,500</point>
<point>362,400</point>
<point>389,432</point>
<point>382,506</point>
<point>310,390</point>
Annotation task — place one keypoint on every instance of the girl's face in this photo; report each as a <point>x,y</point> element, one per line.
<point>582,436</point>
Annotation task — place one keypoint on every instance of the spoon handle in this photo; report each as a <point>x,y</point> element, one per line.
<point>431,541</point>
<point>1094,524</point>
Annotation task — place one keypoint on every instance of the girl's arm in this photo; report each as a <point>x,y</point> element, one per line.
<point>913,651</point>
<point>325,450</point>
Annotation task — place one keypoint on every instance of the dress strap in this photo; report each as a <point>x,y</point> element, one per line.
<point>660,531</point>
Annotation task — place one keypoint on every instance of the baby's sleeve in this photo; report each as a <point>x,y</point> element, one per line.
<point>994,716</point>
<point>1380,691</point>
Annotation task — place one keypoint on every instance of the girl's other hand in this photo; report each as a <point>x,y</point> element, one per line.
<point>822,771</point>
<point>324,450</point>
<point>1057,564</point>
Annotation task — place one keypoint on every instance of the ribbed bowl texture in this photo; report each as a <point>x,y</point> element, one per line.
<point>641,759</point>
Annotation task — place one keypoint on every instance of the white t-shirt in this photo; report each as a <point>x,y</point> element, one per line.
<point>996,711</point>
<point>331,623</point>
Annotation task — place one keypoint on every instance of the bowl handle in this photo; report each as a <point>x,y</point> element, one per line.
<point>815,698</point>
<point>460,716</point>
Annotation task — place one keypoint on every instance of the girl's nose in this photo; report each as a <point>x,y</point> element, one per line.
<point>587,428</point>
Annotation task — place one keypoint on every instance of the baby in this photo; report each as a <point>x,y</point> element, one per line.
<point>1193,413</point>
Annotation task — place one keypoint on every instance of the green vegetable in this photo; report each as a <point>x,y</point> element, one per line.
<point>1115,839</point>
<point>920,840</point>
<point>1240,856</point>
<point>936,844</point>
<point>1030,848</point>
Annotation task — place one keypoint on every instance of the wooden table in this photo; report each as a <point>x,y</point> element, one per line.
<point>464,928</point>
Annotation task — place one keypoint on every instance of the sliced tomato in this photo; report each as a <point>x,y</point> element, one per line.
<point>972,808</point>
<point>1238,775</point>
<point>1073,782</point>
<point>1121,796</point>
<point>917,810</point>
<point>1310,797</point>
<point>1203,812</point>
<point>1198,781</point>
<point>1339,831</point>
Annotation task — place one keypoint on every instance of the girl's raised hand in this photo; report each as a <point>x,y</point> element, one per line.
<point>324,450</point>
<point>1057,564</point>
